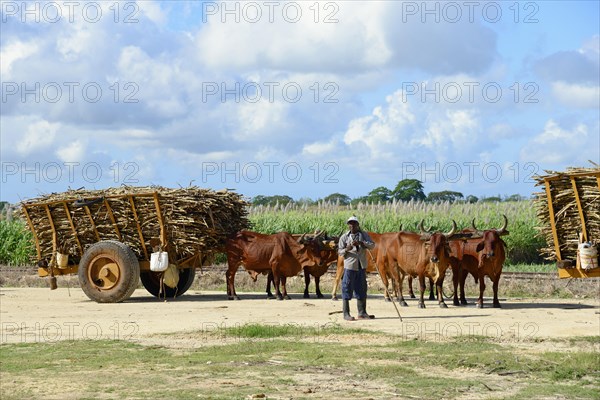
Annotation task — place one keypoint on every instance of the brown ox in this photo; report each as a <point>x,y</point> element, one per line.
<point>328,254</point>
<point>417,255</point>
<point>482,255</point>
<point>280,254</point>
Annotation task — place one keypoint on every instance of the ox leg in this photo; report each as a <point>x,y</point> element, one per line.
<point>283,282</point>
<point>338,277</point>
<point>317,288</point>
<point>481,290</point>
<point>496,281</point>
<point>306,283</point>
<point>277,284</point>
<point>463,279</point>
<point>230,277</point>
<point>384,280</point>
<point>456,276</point>
<point>402,301</point>
<point>439,290</point>
<point>411,293</point>
<point>421,295</point>
<point>269,281</point>
<point>431,286</point>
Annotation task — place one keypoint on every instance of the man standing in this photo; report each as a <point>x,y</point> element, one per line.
<point>353,247</point>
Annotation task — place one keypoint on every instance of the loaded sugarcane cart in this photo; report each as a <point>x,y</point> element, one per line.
<point>113,238</point>
<point>569,209</point>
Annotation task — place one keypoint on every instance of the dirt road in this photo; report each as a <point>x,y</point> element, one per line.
<point>41,315</point>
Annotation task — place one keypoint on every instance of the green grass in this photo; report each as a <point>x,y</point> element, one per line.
<point>16,243</point>
<point>276,363</point>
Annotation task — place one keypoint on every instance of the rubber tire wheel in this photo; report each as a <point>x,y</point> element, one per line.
<point>151,281</point>
<point>129,272</point>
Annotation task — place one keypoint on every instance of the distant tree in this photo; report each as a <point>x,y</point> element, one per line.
<point>491,199</point>
<point>306,201</point>
<point>409,189</point>
<point>446,195</point>
<point>515,197</point>
<point>380,194</point>
<point>340,198</point>
<point>471,199</point>
<point>271,200</point>
<point>361,199</point>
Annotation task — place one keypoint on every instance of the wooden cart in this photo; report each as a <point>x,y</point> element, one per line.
<point>109,243</point>
<point>568,263</point>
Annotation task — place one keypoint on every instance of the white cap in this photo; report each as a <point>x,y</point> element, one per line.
<point>352,219</point>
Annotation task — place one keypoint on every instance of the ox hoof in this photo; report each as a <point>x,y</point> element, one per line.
<point>306,296</point>
<point>403,303</point>
<point>432,298</point>
<point>334,298</point>
<point>443,305</point>
<point>286,297</point>
<point>421,305</point>
<point>412,296</point>
<point>456,303</point>
<point>388,299</point>
<point>497,305</point>
<point>279,297</point>
<point>479,305</point>
<point>270,297</point>
<point>320,296</point>
<point>464,302</point>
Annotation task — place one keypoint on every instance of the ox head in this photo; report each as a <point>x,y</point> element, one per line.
<point>491,244</point>
<point>436,244</point>
<point>318,248</point>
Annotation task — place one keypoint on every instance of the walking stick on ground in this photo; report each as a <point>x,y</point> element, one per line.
<point>384,285</point>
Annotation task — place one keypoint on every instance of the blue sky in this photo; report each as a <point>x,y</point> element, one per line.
<point>474,97</point>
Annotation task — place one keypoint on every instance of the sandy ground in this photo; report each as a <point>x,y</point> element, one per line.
<point>41,315</point>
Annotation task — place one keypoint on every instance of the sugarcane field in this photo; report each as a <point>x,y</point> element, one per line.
<point>299,200</point>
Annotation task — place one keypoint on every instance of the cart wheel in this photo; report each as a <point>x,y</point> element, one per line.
<point>109,272</point>
<point>151,281</point>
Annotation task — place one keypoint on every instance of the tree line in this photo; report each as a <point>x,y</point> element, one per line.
<point>406,190</point>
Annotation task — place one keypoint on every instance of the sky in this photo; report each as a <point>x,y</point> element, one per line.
<point>302,98</point>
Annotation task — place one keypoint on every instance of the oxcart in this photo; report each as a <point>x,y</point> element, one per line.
<point>108,237</point>
<point>569,209</point>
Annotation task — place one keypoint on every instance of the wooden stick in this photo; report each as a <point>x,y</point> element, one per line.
<point>112,219</point>
<point>161,222</point>
<point>35,237</point>
<point>139,228</point>
<point>54,234</point>
<point>552,220</point>
<point>89,213</point>
<point>579,208</point>
<point>68,213</point>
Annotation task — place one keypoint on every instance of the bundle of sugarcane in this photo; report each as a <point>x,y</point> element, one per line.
<point>194,220</point>
<point>566,211</point>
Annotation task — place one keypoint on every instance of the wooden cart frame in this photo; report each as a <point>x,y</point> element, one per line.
<point>185,265</point>
<point>565,269</point>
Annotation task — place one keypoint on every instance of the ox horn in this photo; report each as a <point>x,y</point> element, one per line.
<point>453,230</point>
<point>301,238</point>
<point>502,230</point>
<point>473,225</point>
<point>420,226</point>
<point>400,227</point>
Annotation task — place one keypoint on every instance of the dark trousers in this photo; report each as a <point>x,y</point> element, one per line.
<point>354,282</point>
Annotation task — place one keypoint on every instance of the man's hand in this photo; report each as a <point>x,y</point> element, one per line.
<point>349,247</point>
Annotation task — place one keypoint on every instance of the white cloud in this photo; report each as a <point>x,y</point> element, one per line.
<point>319,149</point>
<point>557,145</point>
<point>72,152</point>
<point>576,95</point>
<point>13,52</point>
<point>39,136</point>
